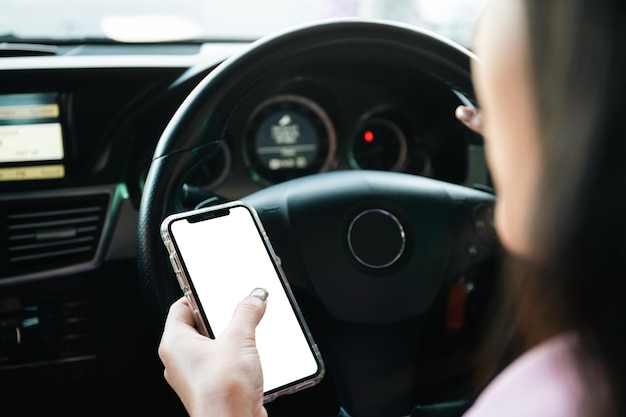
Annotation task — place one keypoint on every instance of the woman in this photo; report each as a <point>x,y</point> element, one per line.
<point>550,87</point>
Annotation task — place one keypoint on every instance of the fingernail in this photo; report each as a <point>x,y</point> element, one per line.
<point>465,114</point>
<point>260,293</point>
<point>471,117</point>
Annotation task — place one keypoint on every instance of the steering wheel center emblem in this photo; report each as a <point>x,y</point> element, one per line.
<point>376,238</point>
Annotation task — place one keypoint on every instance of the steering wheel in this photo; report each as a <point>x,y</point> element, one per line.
<point>367,253</point>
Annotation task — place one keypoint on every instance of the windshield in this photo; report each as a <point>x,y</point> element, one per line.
<point>174,20</point>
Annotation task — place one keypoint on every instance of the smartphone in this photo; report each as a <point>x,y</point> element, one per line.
<point>220,254</point>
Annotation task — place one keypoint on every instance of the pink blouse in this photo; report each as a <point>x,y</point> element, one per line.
<point>543,382</point>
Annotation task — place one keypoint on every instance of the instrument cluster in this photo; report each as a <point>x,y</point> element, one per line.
<point>304,128</point>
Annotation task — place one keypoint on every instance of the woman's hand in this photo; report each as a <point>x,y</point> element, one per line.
<point>220,377</point>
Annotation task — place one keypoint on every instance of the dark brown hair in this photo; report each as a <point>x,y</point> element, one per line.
<point>578,66</point>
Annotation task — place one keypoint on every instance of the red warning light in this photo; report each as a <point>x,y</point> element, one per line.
<point>368,136</point>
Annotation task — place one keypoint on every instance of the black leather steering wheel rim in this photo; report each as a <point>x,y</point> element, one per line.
<point>196,128</point>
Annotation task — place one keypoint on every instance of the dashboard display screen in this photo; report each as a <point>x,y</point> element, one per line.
<point>31,137</point>
<point>289,136</point>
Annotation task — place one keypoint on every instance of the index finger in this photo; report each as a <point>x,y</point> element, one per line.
<point>470,117</point>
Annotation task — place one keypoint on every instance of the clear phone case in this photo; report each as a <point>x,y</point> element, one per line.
<point>189,290</point>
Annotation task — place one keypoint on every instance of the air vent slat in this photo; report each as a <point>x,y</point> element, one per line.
<point>23,236</point>
<point>54,223</point>
<point>55,232</point>
<point>49,254</point>
<point>79,230</point>
<point>53,213</point>
<point>51,244</point>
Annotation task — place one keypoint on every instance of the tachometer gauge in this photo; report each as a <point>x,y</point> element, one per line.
<point>289,136</point>
<point>379,144</point>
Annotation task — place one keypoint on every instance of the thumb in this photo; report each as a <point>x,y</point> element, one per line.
<point>249,312</point>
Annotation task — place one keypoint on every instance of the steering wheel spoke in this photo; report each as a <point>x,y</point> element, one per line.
<point>375,246</point>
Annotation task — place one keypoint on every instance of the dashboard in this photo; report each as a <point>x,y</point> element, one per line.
<point>87,122</point>
<point>78,132</point>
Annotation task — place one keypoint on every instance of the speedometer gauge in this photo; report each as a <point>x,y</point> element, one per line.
<point>289,136</point>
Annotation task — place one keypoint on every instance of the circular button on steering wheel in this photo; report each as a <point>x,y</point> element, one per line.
<point>376,238</point>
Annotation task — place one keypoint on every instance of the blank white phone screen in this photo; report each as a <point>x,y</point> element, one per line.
<point>226,258</point>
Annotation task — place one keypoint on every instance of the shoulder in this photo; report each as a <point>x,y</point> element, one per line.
<point>543,382</point>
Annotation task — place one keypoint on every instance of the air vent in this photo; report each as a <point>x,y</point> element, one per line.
<point>52,233</point>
